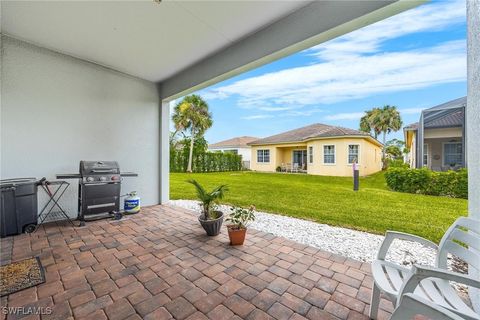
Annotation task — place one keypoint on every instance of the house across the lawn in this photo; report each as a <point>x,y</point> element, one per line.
<point>439,136</point>
<point>237,145</point>
<point>318,149</point>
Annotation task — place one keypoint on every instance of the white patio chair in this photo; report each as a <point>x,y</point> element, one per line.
<point>295,167</point>
<point>412,305</point>
<point>429,283</point>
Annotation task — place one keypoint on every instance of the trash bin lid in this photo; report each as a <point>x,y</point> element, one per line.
<point>6,183</point>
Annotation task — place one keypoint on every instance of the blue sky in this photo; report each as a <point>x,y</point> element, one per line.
<point>414,60</point>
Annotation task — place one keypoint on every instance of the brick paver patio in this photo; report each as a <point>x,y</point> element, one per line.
<point>159,264</point>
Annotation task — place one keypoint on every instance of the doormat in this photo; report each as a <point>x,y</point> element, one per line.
<point>21,275</point>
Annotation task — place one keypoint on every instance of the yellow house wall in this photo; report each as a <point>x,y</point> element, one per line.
<point>369,157</point>
<point>281,153</point>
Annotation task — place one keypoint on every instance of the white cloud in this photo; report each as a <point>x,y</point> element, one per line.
<point>358,115</point>
<point>353,77</point>
<point>431,17</point>
<point>411,110</point>
<point>353,67</point>
<point>258,116</point>
<point>345,116</point>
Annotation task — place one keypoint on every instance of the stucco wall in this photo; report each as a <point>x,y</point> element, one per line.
<point>369,157</point>
<point>473,129</point>
<point>442,133</point>
<point>57,110</point>
<point>270,166</point>
<point>435,152</point>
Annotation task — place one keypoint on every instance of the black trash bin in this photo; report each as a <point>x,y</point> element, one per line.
<point>18,206</point>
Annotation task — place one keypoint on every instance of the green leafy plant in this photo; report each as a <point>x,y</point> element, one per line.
<point>241,217</point>
<point>424,181</point>
<point>210,199</point>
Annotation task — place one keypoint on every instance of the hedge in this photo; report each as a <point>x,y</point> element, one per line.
<point>205,161</point>
<point>424,181</point>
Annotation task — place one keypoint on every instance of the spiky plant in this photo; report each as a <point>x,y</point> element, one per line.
<point>208,199</point>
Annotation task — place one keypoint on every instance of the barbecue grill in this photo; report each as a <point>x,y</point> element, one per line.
<point>98,189</point>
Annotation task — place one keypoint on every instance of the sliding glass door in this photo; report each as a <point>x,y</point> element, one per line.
<point>300,157</point>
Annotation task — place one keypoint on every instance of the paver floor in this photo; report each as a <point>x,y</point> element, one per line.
<point>159,264</point>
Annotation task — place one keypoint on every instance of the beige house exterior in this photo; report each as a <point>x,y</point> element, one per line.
<point>439,136</point>
<point>237,145</point>
<point>318,149</point>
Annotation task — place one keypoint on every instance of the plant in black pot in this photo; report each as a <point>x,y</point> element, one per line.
<point>210,218</point>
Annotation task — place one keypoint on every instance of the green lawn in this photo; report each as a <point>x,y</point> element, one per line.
<point>331,200</point>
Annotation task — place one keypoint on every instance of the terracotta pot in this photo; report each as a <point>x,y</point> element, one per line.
<point>237,236</point>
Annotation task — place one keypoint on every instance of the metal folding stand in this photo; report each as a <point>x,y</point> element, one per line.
<point>50,215</point>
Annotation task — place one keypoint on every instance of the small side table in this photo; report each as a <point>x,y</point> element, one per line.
<point>55,191</point>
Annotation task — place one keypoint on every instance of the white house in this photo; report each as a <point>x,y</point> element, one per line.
<point>237,145</point>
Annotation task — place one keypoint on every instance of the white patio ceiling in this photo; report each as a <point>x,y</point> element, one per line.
<point>146,39</point>
<point>186,45</point>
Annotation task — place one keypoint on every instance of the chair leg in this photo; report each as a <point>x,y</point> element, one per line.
<point>375,302</point>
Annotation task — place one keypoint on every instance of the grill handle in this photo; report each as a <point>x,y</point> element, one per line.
<point>104,170</point>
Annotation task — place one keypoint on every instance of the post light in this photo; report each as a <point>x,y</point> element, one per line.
<point>355,175</point>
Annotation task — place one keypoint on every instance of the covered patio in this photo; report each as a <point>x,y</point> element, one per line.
<point>160,265</point>
<point>85,80</point>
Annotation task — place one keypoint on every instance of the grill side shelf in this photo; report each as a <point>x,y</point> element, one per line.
<point>68,176</point>
<point>128,174</point>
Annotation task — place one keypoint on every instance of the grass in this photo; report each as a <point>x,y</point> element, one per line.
<point>331,200</point>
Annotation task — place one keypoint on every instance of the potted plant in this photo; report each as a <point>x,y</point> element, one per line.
<point>210,218</point>
<point>239,218</point>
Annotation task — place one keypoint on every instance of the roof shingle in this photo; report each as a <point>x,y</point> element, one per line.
<point>237,142</point>
<point>316,130</point>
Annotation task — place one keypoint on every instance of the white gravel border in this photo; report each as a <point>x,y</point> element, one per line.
<point>358,245</point>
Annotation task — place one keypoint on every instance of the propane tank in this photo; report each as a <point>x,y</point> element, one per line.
<point>132,203</point>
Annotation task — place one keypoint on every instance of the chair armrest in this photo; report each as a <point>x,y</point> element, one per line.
<point>420,273</point>
<point>392,235</point>
<point>411,304</point>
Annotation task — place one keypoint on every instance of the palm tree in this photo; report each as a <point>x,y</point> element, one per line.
<point>368,120</point>
<point>381,120</point>
<point>208,198</point>
<point>191,115</point>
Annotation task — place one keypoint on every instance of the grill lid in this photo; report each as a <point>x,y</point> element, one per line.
<point>89,168</point>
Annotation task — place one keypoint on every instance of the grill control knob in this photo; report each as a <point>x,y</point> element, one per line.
<point>103,179</point>
<point>90,179</point>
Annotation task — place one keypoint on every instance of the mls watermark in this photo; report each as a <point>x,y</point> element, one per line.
<point>26,310</point>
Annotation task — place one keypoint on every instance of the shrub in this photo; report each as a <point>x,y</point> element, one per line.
<point>424,181</point>
<point>205,161</point>
<point>396,163</point>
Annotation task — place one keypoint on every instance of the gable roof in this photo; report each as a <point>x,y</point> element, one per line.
<point>411,126</point>
<point>312,131</point>
<point>237,142</point>
<point>448,114</point>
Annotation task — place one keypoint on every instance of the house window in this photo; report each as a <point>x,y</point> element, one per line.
<point>353,153</point>
<point>425,155</point>
<point>263,156</point>
<point>310,154</point>
<point>452,154</point>
<point>329,154</point>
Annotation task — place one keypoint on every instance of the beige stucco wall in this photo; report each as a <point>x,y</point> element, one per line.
<point>369,157</point>
<point>435,151</point>
<point>443,133</point>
